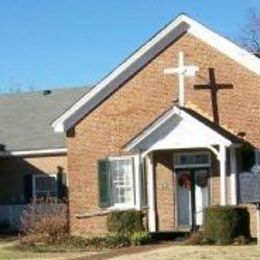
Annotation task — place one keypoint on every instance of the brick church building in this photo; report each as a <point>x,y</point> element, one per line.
<point>168,131</point>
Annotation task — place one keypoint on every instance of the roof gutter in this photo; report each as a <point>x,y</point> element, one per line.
<point>52,151</point>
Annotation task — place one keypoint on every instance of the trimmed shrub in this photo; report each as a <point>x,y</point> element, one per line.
<point>222,224</point>
<point>129,221</point>
<point>140,238</point>
<point>46,219</point>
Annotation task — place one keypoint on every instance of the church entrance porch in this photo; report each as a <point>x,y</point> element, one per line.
<point>182,188</point>
<point>190,163</point>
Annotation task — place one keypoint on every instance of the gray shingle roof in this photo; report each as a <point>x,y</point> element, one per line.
<point>25,118</point>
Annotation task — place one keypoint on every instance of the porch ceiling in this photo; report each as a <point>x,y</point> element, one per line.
<point>179,128</point>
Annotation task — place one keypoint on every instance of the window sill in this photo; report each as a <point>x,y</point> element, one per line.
<point>121,207</point>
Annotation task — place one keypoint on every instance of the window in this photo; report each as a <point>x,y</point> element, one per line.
<point>116,182</point>
<point>198,159</point>
<point>122,181</point>
<point>44,186</point>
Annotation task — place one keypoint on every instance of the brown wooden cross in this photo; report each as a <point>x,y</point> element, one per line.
<point>214,87</point>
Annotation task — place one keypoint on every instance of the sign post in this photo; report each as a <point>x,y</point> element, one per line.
<point>258,222</point>
<point>250,193</point>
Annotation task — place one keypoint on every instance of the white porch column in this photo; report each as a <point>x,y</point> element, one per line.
<point>233,176</point>
<point>223,175</point>
<point>138,172</point>
<point>151,193</point>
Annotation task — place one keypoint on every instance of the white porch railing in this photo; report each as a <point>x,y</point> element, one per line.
<point>11,214</point>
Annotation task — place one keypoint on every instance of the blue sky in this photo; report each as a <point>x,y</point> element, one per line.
<point>61,43</point>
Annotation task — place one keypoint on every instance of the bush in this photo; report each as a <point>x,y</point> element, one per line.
<point>129,221</point>
<point>140,238</point>
<point>72,243</point>
<point>46,219</point>
<point>222,224</point>
<point>117,240</point>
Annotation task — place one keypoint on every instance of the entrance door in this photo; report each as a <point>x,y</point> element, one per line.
<point>183,178</point>
<point>192,196</point>
<point>201,194</point>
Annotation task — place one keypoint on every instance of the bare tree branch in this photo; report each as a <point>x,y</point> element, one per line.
<point>250,34</point>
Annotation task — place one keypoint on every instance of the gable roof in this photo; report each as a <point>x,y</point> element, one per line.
<point>143,55</point>
<point>25,119</point>
<point>175,123</point>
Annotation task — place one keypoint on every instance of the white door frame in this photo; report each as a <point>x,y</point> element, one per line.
<point>191,167</point>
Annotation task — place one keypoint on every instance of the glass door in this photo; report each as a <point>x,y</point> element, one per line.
<point>184,208</point>
<point>201,184</point>
<point>192,196</point>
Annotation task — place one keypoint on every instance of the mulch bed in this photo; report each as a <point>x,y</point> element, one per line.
<point>129,250</point>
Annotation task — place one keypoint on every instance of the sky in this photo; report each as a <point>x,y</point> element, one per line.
<point>48,44</point>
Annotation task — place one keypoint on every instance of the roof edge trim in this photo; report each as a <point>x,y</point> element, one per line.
<point>33,152</point>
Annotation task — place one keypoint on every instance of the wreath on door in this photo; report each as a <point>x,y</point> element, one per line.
<point>184,181</point>
<point>201,180</point>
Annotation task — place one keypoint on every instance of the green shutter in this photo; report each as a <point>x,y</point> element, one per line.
<point>28,188</point>
<point>104,184</point>
<point>61,185</point>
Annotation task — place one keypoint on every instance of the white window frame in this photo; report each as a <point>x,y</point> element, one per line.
<point>131,205</point>
<point>34,192</point>
<point>179,166</point>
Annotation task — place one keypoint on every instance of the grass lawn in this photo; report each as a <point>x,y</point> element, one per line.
<point>9,249</point>
<point>175,252</point>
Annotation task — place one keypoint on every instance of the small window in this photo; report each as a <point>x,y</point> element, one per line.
<point>200,159</point>
<point>45,186</point>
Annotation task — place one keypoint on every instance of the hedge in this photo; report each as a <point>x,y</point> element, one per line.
<point>128,221</point>
<point>222,224</point>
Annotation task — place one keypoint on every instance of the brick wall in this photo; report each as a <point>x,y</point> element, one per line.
<point>165,190</point>
<point>143,98</point>
<point>13,169</point>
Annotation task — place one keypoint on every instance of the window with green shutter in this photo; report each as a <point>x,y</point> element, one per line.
<point>116,182</point>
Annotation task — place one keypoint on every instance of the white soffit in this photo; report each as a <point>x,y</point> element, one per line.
<point>175,130</point>
<point>149,50</point>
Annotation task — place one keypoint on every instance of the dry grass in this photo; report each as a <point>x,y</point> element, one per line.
<point>9,249</point>
<point>250,252</point>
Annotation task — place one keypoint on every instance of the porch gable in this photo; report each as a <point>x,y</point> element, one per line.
<point>177,129</point>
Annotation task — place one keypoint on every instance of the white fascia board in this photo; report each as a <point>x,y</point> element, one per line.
<point>33,152</point>
<point>185,116</point>
<point>181,24</point>
<point>223,45</point>
<point>220,139</point>
<point>150,129</point>
<point>66,120</point>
